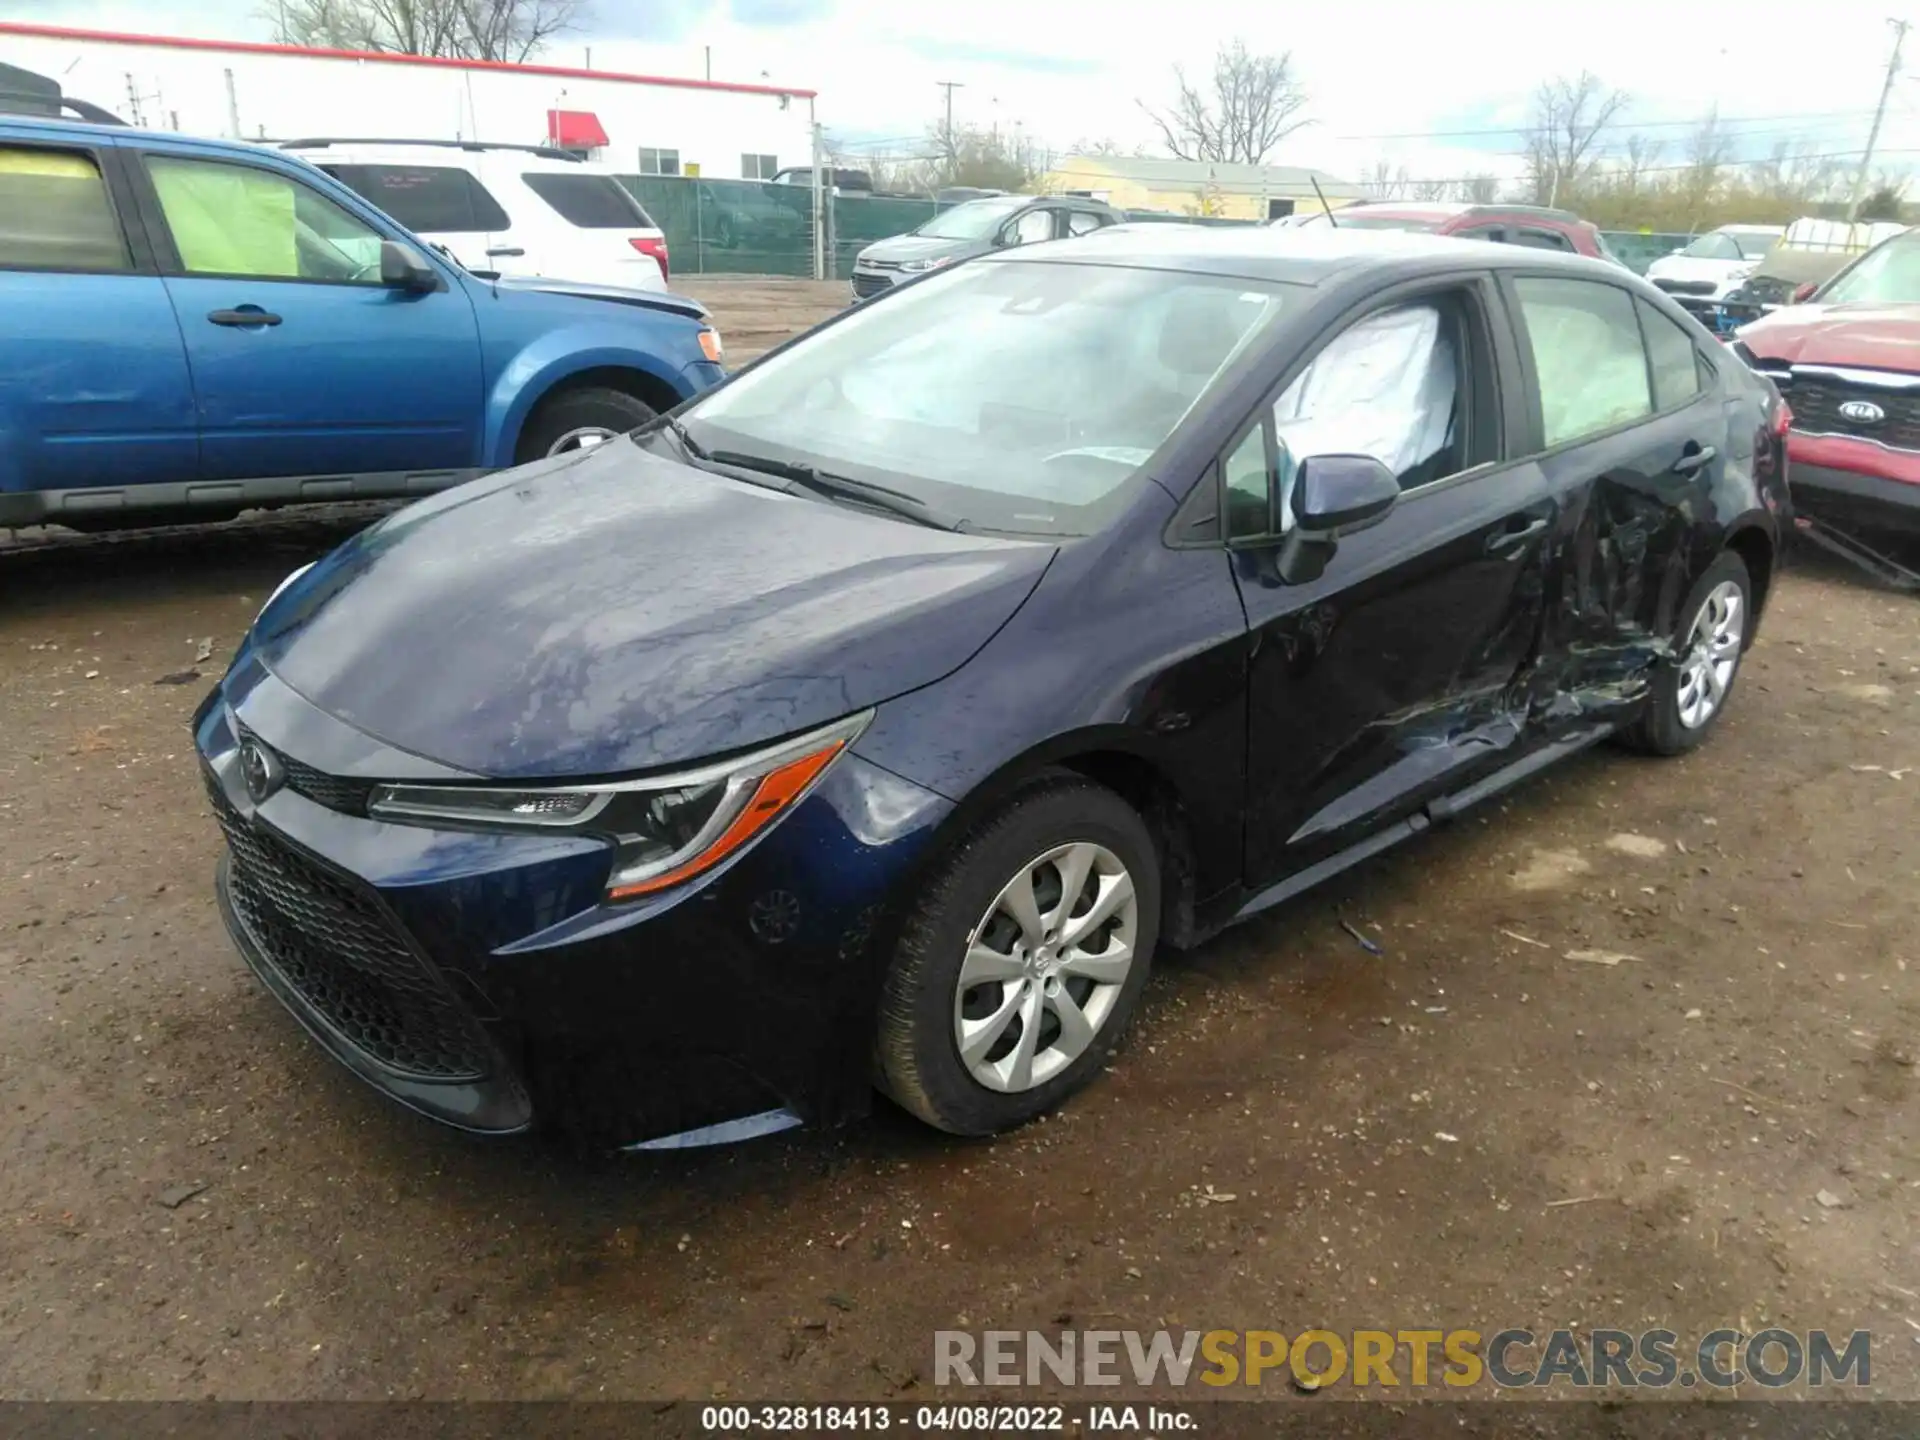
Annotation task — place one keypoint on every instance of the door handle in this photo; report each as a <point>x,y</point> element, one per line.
<point>244,317</point>
<point>1694,459</point>
<point>1514,536</point>
<point>505,250</point>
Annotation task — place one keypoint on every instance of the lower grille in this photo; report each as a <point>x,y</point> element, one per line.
<point>333,941</point>
<point>1817,398</point>
<point>866,285</point>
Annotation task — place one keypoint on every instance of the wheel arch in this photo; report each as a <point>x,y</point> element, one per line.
<point>518,395</point>
<point>1753,542</point>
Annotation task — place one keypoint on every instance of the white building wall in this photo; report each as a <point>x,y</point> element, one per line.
<point>284,96</point>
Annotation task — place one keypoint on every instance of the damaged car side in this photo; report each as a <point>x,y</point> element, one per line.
<point>873,719</point>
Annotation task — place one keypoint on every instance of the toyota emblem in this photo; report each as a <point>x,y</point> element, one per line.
<point>1862,412</point>
<point>260,768</point>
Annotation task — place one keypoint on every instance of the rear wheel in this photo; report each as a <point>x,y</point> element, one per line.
<point>1021,965</point>
<point>579,420</point>
<point>1692,689</point>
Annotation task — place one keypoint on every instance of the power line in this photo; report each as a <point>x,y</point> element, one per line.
<point>1642,125</point>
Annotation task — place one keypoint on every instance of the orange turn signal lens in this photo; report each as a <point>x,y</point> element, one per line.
<point>710,345</point>
<point>772,797</point>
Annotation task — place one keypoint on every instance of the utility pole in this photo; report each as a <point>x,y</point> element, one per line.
<point>1900,28</point>
<point>950,86</point>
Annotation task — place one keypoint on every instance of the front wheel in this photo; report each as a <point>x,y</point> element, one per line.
<point>1022,963</point>
<point>1691,690</point>
<point>579,420</point>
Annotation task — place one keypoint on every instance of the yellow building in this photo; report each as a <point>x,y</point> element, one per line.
<point>1199,187</point>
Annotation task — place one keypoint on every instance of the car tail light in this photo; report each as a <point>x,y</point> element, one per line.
<point>655,246</point>
<point>1782,418</point>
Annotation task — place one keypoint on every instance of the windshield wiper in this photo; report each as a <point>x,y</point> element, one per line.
<point>839,487</point>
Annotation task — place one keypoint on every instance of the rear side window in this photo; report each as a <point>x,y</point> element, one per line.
<point>1083,222</point>
<point>439,199</point>
<point>55,215</point>
<point>1672,359</point>
<point>1542,239</point>
<point>593,202</point>
<point>1587,354</point>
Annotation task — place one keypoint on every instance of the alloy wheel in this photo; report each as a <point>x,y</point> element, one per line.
<point>1045,967</point>
<point>583,437</point>
<point>1712,653</point>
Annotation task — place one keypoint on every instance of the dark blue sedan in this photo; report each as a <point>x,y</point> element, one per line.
<point>876,718</point>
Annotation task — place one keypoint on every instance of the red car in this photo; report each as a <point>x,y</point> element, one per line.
<point>1847,360</point>
<point>1533,225</point>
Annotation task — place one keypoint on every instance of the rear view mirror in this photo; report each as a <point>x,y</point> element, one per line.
<point>403,268</point>
<point>1335,495</point>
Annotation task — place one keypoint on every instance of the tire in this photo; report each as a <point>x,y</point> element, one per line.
<point>559,419</point>
<point>922,1008</point>
<point>1663,727</point>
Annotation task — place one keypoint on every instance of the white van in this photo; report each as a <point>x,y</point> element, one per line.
<point>514,209</point>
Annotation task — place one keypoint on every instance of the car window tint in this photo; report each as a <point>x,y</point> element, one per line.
<point>55,215</point>
<point>437,199</point>
<point>1245,475</point>
<point>1542,239</point>
<point>593,202</point>
<point>241,220</point>
<point>1033,226</point>
<point>1588,356</point>
<point>1083,222</point>
<point>1387,387</point>
<point>1497,234</point>
<point>1674,361</point>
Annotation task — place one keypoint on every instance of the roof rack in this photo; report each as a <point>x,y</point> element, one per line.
<point>321,142</point>
<point>47,107</point>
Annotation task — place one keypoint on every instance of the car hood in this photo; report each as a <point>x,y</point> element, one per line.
<point>599,615</point>
<point>902,248</point>
<point>1876,337</point>
<point>543,285</point>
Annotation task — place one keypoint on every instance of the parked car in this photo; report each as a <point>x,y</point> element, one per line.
<point>890,707</point>
<point>505,209</point>
<point>976,227</point>
<point>1536,227</point>
<point>1710,267</point>
<point>1847,360</point>
<point>839,181</point>
<point>194,326</point>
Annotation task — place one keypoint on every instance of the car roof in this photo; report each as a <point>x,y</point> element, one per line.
<point>87,132</point>
<point>456,154</point>
<point>1298,255</point>
<point>1395,209</point>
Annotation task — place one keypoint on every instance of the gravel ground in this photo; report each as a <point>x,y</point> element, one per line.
<point>1639,1050</point>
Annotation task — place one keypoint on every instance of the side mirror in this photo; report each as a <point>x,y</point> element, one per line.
<point>402,268</point>
<point>1336,495</point>
<point>1804,292</point>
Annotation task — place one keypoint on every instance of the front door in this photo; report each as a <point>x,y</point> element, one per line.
<point>1395,676</point>
<point>303,363</point>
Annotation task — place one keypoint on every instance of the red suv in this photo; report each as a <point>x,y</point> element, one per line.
<point>1533,225</point>
<point>1848,363</point>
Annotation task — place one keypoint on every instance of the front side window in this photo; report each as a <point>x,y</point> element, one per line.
<point>1542,239</point>
<point>1887,275</point>
<point>975,220</point>
<point>55,214</point>
<point>1084,222</point>
<point>761,167</point>
<point>240,220</point>
<point>592,202</point>
<point>1587,353</point>
<point>1671,356</point>
<point>659,162</point>
<point>1388,387</point>
<point>1031,228</point>
<point>429,199</point>
<point>1019,397</point>
<point>1245,474</point>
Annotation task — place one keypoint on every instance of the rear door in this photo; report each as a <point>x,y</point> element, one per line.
<point>1396,675</point>
<point>304,364</point>
<point>581,224</point>
<point>442,204</point>
<point>94,390</point>
<point>1632,436</point>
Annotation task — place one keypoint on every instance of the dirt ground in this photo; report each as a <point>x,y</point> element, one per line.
<point>1638,1051</point>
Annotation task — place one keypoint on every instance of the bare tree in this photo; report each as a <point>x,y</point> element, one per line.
<point>1384,182</point>
<point>508,30</point>
<point>1568,119</point>
<point>1430,190</point>
<point>1248,109</point>
<point>1708,151</point>
<point>1478,189</point>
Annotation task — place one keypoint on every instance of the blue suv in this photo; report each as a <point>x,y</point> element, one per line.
<point>193,327</point>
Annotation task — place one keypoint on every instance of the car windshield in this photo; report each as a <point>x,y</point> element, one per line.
<point>975,220</point>
<point>1889,275</point>
<point>1013,396</point>
<point>1755,246</point>
<point>1712,247</point>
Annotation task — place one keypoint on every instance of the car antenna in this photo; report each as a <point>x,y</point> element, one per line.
<point>1325,209</point>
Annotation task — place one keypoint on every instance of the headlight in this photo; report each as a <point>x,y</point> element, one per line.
<point>915,267</point>
<point>282,586</point>
<point>666,829</point>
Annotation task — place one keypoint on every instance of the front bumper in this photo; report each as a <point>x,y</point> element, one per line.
<point>480,980</point>
<point>1852,500</point>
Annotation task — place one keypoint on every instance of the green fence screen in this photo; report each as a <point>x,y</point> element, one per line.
<point>745,227</point>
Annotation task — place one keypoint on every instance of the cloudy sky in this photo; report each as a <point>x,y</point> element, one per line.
<point>1427,85</point>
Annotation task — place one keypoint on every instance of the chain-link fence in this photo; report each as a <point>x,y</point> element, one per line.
<point>746,227</point>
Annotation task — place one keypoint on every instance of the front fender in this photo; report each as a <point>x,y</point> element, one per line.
<point>533,370</point>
